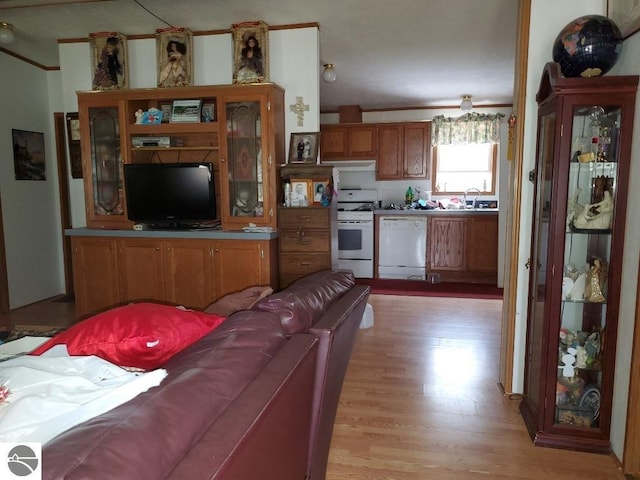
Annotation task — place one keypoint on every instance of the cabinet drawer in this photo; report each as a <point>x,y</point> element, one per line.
<point>305,240</point>
<point>312,217</point>
<point>303,264</point>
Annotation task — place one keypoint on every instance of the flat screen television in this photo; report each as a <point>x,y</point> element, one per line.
<point>170,195</point>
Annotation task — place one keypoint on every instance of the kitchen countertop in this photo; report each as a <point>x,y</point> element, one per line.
<point>438,211</point>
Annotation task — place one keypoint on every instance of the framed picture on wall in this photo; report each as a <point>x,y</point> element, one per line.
<point>73,141</point>
<point>625,14</point>
<point>28,155</point>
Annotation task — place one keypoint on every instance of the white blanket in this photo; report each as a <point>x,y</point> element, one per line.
<point>54,392</point>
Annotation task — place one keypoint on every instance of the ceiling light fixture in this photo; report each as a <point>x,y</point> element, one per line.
<point>329,74</point>
<point>466,104</point>
<point>6,33</point>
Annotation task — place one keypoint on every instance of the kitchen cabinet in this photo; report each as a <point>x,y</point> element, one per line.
<point>244,142</point>
<point>190,272</point>
<point>349,142</point>
<point>403,150</point>
<point>463,247</point>
<point>579,209</point>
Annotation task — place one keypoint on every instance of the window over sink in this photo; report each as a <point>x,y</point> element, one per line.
<point>457,168</point>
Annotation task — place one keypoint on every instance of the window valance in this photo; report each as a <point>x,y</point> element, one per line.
<point>467,129</point>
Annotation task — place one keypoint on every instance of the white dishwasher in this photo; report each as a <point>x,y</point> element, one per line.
<point>402,247</point>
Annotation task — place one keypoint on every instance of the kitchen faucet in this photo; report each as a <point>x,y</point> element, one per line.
<point>475,199</point>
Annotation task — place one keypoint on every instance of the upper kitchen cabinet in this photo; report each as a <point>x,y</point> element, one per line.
<point>579,209</point>
<point>253,143</point>
<point>349,142</point>
<point>403,150</point>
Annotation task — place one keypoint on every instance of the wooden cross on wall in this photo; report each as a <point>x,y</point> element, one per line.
<point>299,108</point>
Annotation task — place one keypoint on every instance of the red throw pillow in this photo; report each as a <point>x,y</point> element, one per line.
<point>142,335</point>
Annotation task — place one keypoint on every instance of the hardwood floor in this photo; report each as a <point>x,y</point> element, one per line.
<point>420,399</point>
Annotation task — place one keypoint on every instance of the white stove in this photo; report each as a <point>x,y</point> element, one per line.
<point>355,230</point>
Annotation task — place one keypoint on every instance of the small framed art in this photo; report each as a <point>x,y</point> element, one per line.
<point>321,191</point>
<point>73,141</point>
<point>250,52</point>
<point>208,112</point>
<point>303,147</point>
<point>174,57</point>
<point>185,111</point>
<point>28,155</point>
<point>301,192</point>
<point>109,60</point>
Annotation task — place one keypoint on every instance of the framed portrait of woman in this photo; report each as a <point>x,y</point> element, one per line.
<point>250,52</point>
<point>109,60</point>
<point>174,48</point>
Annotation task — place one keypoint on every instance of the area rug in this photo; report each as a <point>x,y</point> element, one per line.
<point>384,286</point>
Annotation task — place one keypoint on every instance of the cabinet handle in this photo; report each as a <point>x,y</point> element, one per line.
<point>217,250</point>
<point>305,218</point>
<point>304,264</point>
<point>222,160</point>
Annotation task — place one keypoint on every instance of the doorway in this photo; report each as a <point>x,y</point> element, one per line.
<point>65,210</point>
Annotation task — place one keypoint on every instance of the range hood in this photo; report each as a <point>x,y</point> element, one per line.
<point>352,165</point>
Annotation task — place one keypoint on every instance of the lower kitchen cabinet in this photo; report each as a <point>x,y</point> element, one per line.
<point>463,247</point>
<point>189,272</point>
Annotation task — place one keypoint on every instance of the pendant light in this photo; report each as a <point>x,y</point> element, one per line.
<point>6,33</point>
<point>329,74</point>
<point>466,104</point>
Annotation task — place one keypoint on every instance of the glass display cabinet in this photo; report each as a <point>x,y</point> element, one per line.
<point>102,167</point>
<point>581,176</point>
<point>249,173</point>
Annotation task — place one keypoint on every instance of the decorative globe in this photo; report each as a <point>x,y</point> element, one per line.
<point>588,46</point>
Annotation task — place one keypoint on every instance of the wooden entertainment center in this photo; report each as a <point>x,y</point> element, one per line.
<point>240,130</point>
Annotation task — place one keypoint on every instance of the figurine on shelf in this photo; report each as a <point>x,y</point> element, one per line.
<point>596,216</point>
<point>139,114</point>
<point>597,275</point>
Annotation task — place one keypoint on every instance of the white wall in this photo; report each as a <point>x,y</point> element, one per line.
<point>30,209</point>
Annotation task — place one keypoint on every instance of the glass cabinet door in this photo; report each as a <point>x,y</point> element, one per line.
<point>591,199</point>
<point>244,165</point>
<point>106,163</point>
<point>538,287</point>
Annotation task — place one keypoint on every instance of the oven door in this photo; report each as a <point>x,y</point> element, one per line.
<point>355,240</point>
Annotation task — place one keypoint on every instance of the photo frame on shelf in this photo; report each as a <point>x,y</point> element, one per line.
<point>186,111</point>
<point>28,155</point>
<point>166,111</point>
<point>321,191</point>
<point>303,147</point>
<point>626,15</point>
<point>73,142</point>
<point>301,192</point>
<point>208,112</point>
<point>109,61</point>
<point>250,52</point>
<point>174,49</point>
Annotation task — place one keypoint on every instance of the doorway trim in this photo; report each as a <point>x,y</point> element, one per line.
<point>63,194</point>
<point>4,281</point>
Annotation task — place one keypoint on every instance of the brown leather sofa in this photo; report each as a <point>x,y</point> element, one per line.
<point>255,398</point>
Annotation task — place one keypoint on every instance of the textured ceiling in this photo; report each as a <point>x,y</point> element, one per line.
<point>388,54</point>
